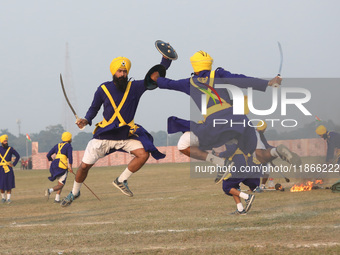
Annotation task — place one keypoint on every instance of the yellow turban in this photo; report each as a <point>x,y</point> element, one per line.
<point>321,130</point>
<point>261,125</point>
<point>201,61</point>
<point>120,63</point>
<point>3,138</point>
<point>66,137</point>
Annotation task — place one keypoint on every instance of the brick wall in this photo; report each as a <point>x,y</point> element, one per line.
<point>40,161</point>
<point>303,147</point>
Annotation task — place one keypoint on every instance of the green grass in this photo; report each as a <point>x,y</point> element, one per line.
<point>170,213</point>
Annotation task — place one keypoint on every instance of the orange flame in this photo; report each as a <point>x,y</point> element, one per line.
<point>302,187</point>
<point>318,182</point>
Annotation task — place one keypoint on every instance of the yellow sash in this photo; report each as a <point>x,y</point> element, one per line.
<point>217,107</point>
<point>62,158</point>
<point>104,122</point>
<point>239,152</point>
<point>5,163</point>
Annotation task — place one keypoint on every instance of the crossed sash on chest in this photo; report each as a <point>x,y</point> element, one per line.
<point>218,105</point>
<point>5,163</point>
<point>117,114</point>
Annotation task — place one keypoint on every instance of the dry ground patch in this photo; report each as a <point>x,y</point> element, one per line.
<point>170,213</point>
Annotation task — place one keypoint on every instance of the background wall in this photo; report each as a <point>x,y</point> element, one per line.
<point>303,147</point>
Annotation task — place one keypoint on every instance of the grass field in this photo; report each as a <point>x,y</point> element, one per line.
<point>170,213</point>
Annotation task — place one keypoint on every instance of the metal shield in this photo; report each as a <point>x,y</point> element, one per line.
<point>148,82</point>
<point>166,50</point>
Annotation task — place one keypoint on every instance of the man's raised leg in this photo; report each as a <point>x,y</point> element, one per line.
<point>141,156</point>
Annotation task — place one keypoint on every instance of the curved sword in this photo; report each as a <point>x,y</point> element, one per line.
<point>68,101</point>
<point>280,67</point>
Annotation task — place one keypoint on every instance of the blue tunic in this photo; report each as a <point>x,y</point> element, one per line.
<point>250,179</point>
<point>55,170</point>
<point>7,180</point>
<point>208,135</point>
<point>128,111</point>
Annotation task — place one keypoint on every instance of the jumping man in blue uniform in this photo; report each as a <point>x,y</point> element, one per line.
<point>61,164</point>
<point>117,131</point>
<point>198,138</point>
<point>7,178</point>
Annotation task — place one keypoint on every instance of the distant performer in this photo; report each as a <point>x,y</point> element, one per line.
<point>59,166</point>
<point>333,143</point>
<point>7,178</point>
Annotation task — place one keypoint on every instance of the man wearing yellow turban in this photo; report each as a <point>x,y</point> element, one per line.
<point>7,178</point>
<point>203,135</point>
<point>117,130</point>
<point>333,143</point>
<point>199,138</point>
<point>61,164</point>
<point>120,68</point>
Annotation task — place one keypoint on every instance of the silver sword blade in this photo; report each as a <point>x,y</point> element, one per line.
<point>281,57</point>
<point>68,101</point>
<point>65,95</point>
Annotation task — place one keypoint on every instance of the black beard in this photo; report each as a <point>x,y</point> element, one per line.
<point>121,83</point>
<point>5,145</point>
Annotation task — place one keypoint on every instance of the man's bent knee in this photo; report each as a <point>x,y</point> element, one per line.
<point>186,151</point>
<point>186,140</point>
<point>141,154</point>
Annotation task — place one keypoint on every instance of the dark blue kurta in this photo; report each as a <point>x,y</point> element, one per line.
<point>55,170</point>
<point>7,180</point>
<point>208,135</point>
<point>128,111</point>
<point>250,179</point>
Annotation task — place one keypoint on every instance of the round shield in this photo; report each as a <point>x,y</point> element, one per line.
<point>166,50</point>
<point>148,82</point>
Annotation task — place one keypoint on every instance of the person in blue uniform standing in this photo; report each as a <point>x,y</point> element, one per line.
<point>198,138</point>
<point>7,178</point>
<point>333,142</point>
<point>61,164</point>
<point>117,131</point>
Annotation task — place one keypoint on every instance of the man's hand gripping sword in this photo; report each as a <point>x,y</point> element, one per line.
<point>78,120</point>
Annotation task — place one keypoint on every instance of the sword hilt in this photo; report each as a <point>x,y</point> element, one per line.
<point>77,119</point>
<point>276,85</point>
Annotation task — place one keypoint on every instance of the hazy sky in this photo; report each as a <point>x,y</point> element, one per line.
<point>241,36</point>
